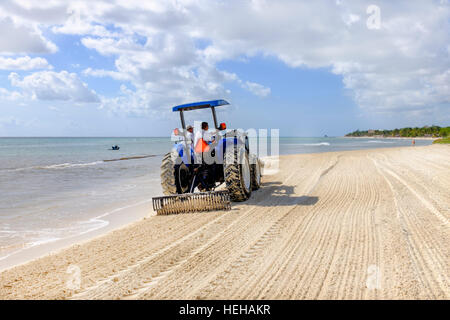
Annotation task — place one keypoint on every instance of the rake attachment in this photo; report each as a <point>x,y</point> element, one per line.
<point>192,202</point>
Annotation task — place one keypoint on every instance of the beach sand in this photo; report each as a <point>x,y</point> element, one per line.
<point>366,224</point>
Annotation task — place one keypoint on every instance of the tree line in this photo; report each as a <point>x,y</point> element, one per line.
<point>427,131</point>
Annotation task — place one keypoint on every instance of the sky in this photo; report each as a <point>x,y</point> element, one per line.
<point>307,68</point>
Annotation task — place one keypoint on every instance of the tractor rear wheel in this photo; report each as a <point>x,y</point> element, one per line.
<point>256,172</point>
<point>168,182</point>
<point>237,173</point>
<point>182,178</point>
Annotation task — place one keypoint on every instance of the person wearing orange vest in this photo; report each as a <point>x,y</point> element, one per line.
<point>203,138</point>
<point>201,144</point>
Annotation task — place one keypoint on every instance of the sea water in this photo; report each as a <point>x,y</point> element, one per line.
<point>54,188</point>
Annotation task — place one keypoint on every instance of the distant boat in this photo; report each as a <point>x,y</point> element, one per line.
<point>325,136</point>
<point>116,147</point>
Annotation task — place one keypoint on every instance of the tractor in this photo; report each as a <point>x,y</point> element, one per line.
<point>195,167</point>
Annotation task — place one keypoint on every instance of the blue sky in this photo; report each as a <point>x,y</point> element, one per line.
<point>102,68</point>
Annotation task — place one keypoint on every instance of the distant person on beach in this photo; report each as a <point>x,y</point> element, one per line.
<point>413,142</point>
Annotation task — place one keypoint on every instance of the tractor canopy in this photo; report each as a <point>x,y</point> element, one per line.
<point>200,105</point>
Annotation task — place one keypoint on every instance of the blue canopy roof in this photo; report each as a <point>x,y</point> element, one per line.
<point>200,105</point>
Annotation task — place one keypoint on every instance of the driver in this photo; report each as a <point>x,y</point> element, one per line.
<point>203,134</point>
<point>202,140</point>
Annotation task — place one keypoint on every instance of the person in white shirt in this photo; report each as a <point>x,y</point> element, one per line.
<point>207,136</point>
<point>199,146</point>
<point>204,134</point>
<point>190,134</point>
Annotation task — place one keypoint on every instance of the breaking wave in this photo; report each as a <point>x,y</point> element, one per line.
<point>74,165</point>
<point>378,141</point>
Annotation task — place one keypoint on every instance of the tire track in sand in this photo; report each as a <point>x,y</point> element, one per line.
<point>429,262</point>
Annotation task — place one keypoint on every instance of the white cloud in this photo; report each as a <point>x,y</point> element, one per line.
<point>256,89</point>
<point>401,66</point>
<point>9,121</point>
<point>100,73</point>
<point>35,12</point>
<point>351,19</point>
<point>79,21</point>
<point>165,70</point>
<point>9,95</point>
<point>21,38</point>
<point>23,63</point>
<point>50,85</point>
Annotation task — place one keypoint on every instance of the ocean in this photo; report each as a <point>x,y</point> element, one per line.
<point>55,188</point>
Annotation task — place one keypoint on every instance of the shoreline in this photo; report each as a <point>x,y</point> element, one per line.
<point>399,138</point>
<point>153,239</point>
<point>118,218</point>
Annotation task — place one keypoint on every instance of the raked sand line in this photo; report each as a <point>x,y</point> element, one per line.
<point>416,255</point>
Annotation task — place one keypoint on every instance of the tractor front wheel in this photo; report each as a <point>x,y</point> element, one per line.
<point>256,172</point>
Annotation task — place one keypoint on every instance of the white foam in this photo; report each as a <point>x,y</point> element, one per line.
<point>378,141</point>
<point>59,166</point>
<point>310,144</point>
<point>29,245</point>
<point>98,222</point>
<point>70,165</point>
<point>42,241</point>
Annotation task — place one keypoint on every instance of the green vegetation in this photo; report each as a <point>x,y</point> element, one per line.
<point>442,141</point>
<point>433,131</point>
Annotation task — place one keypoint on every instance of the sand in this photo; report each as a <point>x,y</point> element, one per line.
<point>367,224</point>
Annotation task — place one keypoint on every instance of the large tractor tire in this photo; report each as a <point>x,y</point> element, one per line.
<point>182,178</point>
<point>255,172</point>
<point>237,173</point>
<point>168,181</point>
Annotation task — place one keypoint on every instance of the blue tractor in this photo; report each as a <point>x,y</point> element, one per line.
<point>196,167</point>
